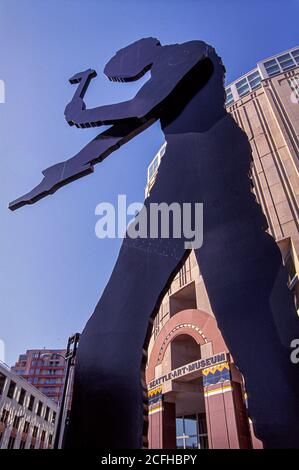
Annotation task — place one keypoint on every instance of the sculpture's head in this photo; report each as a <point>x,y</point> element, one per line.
<point>133,61</point>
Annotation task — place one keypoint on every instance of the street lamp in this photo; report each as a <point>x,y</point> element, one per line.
<point>69,359</point>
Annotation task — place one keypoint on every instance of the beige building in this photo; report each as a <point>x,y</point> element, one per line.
<point>196,394</point>
<point>27,416</point>
<point>265,104</point>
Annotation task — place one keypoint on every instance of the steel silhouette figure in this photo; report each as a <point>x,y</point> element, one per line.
<point>207,159</point>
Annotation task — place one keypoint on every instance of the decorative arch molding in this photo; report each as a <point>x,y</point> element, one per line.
<point>178,330</point>
<point>193,322</point>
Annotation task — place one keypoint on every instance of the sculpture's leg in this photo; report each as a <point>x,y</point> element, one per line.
<point>107,410</point>
<point>247,288</point>
<point>245,280</point>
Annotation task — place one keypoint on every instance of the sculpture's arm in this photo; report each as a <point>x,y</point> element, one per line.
<point>83,162</point>
<point>76,114</point>
<point>148,99</point>
<point>129,119</point>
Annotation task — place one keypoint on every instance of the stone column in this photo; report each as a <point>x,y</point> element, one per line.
<point>227,421</point>
<point>162,428</point>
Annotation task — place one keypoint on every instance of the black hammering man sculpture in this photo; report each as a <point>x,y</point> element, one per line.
<point>208,160</point>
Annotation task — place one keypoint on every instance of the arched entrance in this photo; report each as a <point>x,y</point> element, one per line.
<point>196,398</point>
<point>191,426</point>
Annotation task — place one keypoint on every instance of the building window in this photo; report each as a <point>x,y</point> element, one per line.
<point>191,432</point>
<point>26,427</point>
<point>47,413</point>
<point>16,422</point>
<point>22,396</point>
<point>292,277</point>
<point>54,363</point>
<point>295,55</point>
<point>285,61</point>
<point>32,445</point>
<point>51,372</point>
<point>35,431</point>
<point>39,408</point>
<point>11,389</point>
<point>290,265</point>
<point>153,167</point>
<point>42,440</point>
<point>50,440</point>
<point>2,382</point>
<point>272,67</point>
<point>4,416</point>
<point>22,444</point>
<point>11,442</point>
<point>31,403</point>
<point>242,87</point>
<point>229,97</point>
<point>54,417</point>
<point>254,80</point>
<point>51,381</point>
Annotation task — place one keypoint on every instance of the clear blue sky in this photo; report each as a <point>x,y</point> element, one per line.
<point>53,268</point>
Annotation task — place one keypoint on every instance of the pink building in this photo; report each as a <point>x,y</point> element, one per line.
<point>43,368</point>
